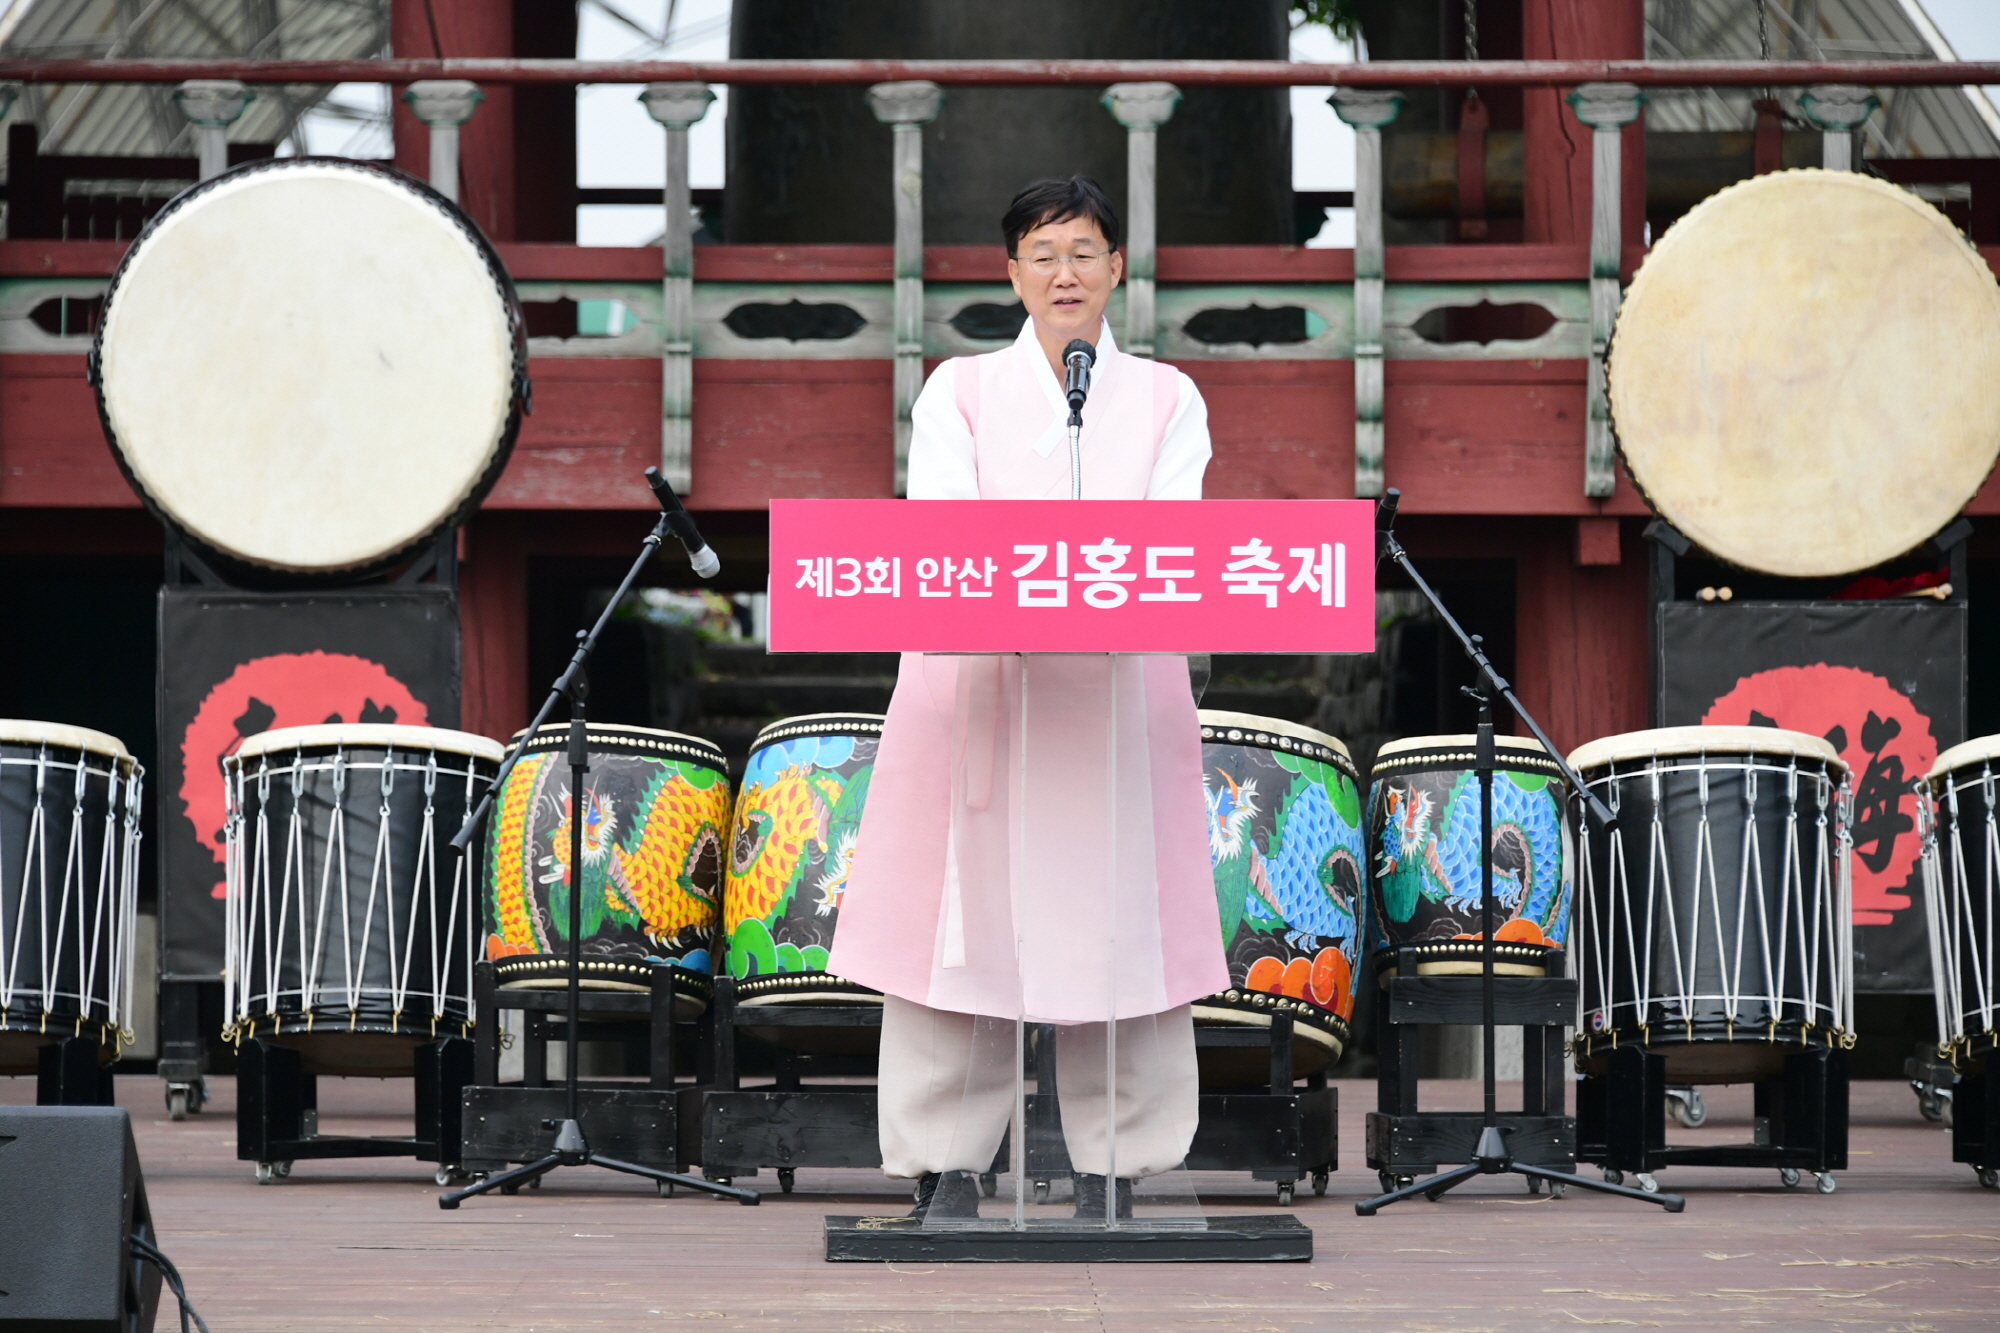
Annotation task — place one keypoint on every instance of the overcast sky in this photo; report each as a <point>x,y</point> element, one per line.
<point>618,145</point>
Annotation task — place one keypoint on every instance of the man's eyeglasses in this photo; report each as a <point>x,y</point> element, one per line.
<point>1083,264</point>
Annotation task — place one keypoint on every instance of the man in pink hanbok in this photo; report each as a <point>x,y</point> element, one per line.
<point>1086,770</point>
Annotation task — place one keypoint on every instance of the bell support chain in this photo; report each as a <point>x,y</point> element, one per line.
<point>570,1148</point>
<point>1491,1156</point>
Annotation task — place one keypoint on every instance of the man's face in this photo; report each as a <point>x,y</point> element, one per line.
<point>1064,272</point>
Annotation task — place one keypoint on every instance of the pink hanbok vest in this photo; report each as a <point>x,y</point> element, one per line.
<point>945,880</point>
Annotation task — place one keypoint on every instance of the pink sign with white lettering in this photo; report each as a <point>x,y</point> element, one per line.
<point>1073,576</point>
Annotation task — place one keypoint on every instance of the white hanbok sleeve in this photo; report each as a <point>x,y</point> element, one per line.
<point>943,465</point>
<point>1184,453</point>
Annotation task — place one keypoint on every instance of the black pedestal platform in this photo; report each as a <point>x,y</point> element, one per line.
<point>1264,1238</point>
<point>1404,1142</point>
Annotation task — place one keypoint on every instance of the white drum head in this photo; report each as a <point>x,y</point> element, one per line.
<point>310,365</point>
<point>371,736</point>
<point>1805,376</point>
<point>61,736</point>
<point>1715,742</point>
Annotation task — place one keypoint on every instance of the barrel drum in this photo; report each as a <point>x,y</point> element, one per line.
<point>1286,850</point>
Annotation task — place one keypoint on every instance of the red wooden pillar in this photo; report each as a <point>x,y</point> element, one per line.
<point>1580,641</point>
<point>1581,598</point>
<point>1556,145</point>
<point>493,618</point>
<point>425,28</point>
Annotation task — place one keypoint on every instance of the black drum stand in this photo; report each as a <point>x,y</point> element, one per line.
<point>1491,1152</point>
<point>1975,1120</point>
<point>277,1110</point>
<point>1801,1120</point>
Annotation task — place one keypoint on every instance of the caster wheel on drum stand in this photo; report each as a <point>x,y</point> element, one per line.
<point>1988,1177</point>
<point>785,1178</point>
<point>1613,1176</point>
<point>1319,1182</point>
<point>1689,1110</point>
<point>989,1184</point>
<point>1391,1182</point>
<point>1041,1191</point>
<point>1647,1183</point>
<point>1790,1176</point>
<point>1285,1188</point>
<point>1823,1182</point>
<point>177,1103</point>
<point>1534,1184</point>
<point>265,1174</point>
<point>448,1176</point>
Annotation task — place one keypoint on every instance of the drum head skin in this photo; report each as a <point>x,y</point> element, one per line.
<point>62,736</point>
<point>1805,376</point>
<point>1718,741</point>
<point>1983,751</point>
<point>370,736</point>
<point>310,365</point>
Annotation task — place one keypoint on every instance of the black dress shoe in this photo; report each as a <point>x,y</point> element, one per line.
<point>1090,1198</point>
<point>947,1194</point>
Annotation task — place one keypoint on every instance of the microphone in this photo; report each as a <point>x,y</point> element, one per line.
<point>1078,358</point>
<point>1385,521</point>
<point>704,560</point>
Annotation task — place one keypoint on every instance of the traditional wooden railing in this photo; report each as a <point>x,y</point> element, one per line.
<point>906,305</point>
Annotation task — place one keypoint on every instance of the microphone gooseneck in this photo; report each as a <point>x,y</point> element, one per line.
<point>706,563</point>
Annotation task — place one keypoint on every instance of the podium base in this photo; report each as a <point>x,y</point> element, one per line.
<point>1264,1238</point>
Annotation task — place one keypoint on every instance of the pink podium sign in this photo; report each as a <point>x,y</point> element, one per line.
<point>1073,576</point>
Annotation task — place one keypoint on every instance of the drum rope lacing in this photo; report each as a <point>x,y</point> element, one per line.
<point>1953,915</point>
<point>105,931</point>
<point>251,898</point>
<point>1809,921</point>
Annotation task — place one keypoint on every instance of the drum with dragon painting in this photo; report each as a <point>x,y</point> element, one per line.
<point>1286,846</point>
<point>1423,833</point>
<point>655,814</point>
<point>790,845</point>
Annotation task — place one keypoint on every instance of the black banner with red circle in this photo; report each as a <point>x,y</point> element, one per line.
<point>233,664</point>
<point>1884,682</point>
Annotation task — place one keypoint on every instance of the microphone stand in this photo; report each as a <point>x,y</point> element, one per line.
<point>570,1148</point>
<point>1490,1156</point>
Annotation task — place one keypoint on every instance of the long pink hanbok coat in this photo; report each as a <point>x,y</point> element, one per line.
<point>1116,905</point>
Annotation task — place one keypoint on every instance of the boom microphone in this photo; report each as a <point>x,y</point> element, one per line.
<point>1078,358</point>
<point>705,561</point>
<point>1385,521</point>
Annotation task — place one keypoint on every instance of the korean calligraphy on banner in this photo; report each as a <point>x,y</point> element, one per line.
<point>1072,576</point>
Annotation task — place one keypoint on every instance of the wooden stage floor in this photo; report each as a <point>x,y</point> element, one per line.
<point>1910,1242</point>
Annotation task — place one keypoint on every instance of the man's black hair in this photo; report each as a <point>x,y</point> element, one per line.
<point>1059,201</point>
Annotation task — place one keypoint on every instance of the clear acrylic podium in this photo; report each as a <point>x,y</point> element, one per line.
<point>1050,940</point>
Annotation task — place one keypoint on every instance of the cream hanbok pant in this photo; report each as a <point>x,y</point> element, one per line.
<point>947,1090</point>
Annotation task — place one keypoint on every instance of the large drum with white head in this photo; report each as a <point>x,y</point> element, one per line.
<point>311,365</point>
<point>1713,922</point>
<point>1805,376</point>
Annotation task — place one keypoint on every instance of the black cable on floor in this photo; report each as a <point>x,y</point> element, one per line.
<point>145,1250</point>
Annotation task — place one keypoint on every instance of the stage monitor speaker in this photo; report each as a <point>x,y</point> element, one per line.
<point>71,1198</point>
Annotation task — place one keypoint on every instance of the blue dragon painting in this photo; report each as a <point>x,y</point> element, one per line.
<point>1428,850</point>
<point>1289,884</point>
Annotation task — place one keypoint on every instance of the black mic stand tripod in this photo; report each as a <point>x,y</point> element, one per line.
<point>1490,1156</point>
<point>570,1148</point>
